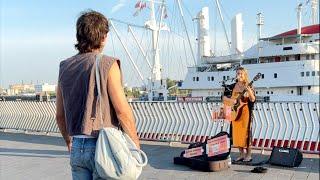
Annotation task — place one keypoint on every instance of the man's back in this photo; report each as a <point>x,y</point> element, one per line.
<point>78,88</point>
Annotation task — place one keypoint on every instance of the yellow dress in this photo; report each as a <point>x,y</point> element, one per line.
<point>240,131</point>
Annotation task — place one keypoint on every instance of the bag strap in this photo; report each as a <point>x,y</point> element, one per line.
<point>98,82</point>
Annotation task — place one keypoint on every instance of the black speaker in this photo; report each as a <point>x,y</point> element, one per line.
<point>288,157</point>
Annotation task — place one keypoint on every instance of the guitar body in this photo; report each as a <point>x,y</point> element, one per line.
<point>236,109</point>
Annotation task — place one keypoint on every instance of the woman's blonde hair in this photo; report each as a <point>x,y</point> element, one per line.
<point>246,76</point>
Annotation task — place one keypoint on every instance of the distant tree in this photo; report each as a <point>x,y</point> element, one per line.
<point>128,92</point>
<point>52,94</point>
<point>136,93</point>
<point>173,91</point>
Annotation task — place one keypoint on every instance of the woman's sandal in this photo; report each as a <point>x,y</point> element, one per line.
<point>239,159</point>
<point>247,160</point>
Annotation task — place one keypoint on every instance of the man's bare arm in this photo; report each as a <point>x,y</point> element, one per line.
<point>60,117</point>
<point>120,104</point>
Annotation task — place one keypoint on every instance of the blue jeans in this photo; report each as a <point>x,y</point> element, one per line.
<point>82,159</point>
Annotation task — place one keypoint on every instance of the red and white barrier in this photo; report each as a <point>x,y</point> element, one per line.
<point>275,124</point>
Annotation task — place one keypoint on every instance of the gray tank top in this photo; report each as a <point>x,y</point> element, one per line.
<point>79,93</point>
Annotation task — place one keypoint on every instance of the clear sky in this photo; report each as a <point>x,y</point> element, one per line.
<point>37,34</point>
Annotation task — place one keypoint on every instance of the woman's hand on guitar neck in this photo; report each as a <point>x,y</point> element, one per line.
<point>250,93</point>
<point>249,89</point>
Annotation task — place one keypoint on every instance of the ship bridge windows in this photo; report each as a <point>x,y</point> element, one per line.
<point>226,78</point>
<point>307,56</point>
<point>271,60</point>
<point>209,68</point>
<point>297,57</point>
<point>308,73</point>
<point>287,48</point>
<point>249,61</point>
<point>210,78</point>
<point>195,78</point>
<point>287,58</point>
<point>312,56</point>
<point>300,89</point>
<point>265,60</point>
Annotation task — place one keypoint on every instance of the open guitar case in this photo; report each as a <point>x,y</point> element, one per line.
<point>203,162</point>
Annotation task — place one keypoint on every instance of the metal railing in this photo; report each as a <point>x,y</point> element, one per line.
<point>275,124</point>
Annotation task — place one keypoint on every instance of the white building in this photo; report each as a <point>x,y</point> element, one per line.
<point>44,88</point>
<point>18,89</point>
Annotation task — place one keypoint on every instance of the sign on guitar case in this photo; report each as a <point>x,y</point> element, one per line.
<point>193,152</point>
<point>219,145</point>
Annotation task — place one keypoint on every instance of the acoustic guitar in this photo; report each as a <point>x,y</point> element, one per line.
<point>237,107</point>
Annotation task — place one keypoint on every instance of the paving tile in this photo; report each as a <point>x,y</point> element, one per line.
<point>29,156</point>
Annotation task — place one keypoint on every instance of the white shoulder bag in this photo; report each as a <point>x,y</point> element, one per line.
<point>116,155</point>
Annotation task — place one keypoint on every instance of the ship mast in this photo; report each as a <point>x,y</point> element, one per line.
<point>157,86</point>
<point>314,5</point>
<point>260,22</point>
<point>299,10</point>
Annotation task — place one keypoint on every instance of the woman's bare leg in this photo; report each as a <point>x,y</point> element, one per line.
<point>248,156</point>
<point>242,154</point>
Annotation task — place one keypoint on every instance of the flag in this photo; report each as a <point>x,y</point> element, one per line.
<point>139,7</point>
<point>138,4</point>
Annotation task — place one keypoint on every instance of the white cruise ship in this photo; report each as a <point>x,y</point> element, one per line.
<point>288,62</point>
